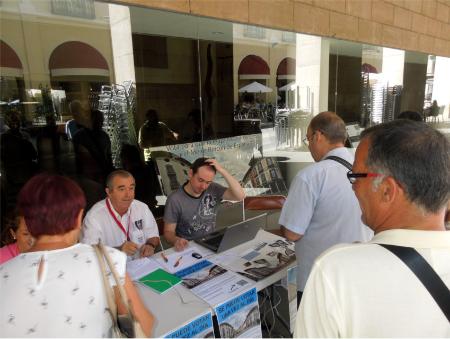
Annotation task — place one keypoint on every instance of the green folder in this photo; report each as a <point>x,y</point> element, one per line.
<point>160,281</point>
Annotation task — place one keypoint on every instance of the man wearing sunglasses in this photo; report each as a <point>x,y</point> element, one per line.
<point>321,209</point>
<point>396,285</point>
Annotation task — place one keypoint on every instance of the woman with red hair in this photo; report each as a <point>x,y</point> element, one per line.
<point>56,288</point>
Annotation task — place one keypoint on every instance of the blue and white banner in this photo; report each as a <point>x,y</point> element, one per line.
<point>239,317</point>
<point>201,327</point>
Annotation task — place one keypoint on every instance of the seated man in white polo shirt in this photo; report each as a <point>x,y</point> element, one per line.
<point>120,221</point>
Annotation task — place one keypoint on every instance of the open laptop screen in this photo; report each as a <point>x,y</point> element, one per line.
<point>234,235</point>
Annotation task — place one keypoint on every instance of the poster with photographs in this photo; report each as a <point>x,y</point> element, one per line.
<point>240,155</point>
<point>262,260</point>
<point>239,317</point>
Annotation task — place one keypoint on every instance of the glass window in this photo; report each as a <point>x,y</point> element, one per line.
<point>172,87</point>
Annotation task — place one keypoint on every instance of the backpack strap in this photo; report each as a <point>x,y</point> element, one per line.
<point>340,160</point>
<point>425,273</point>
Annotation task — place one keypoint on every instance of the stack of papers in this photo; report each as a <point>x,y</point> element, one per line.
<point>139,267</point>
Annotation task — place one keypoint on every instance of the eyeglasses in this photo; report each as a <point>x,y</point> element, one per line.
<point>305,139</point>
<point>353,176</point>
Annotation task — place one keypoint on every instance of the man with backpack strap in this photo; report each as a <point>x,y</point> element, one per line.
<point>321,209</point>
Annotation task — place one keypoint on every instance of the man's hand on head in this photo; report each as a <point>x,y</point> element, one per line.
<point>215,164</point>
<point>181,244</point>
<point>129,247</point>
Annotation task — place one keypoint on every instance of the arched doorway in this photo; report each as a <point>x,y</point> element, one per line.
<point>285,76</point>
<point>78,69</point>
<point>12,85</point>
<point>253,68</point>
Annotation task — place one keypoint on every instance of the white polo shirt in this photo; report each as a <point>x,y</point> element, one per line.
<point>99,224</point>
<point>364,290</point>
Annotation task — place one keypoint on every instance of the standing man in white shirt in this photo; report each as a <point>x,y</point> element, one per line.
<point>120,221</point>
<point>321,209</point>
<point>402,182</point>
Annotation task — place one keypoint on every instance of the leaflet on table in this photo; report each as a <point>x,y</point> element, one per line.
<point>213,283</point>
<point>177,261</point>
<point>202,327</point>
<point>138,268</point>
<point>239,317</point>
<point>261,261</point>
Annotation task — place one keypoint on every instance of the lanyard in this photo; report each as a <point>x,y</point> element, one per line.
<point>127,233</point>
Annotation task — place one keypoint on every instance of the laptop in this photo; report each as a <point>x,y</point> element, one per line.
<point>233,235</point>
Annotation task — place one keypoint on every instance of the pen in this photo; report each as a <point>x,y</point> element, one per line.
<point>164,257</point>
<point>178,261</point>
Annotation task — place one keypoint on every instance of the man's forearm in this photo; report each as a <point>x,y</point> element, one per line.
<point>154,241</point>
<point>235,187</point>
<point>171,237</point>
<point>289,235</point>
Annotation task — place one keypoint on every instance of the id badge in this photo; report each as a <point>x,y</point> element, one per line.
<point>137,236</point>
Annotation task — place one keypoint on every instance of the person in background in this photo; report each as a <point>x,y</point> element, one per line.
<point>21,238</point>
<point>155,133</point>
<point>56,288</point>
<point>192,127</point>
<point>191,210</point>
<point>401,179</point>
<point>147,185</point>
<point>321,209</point>
<point>48,146</point>
<point>93,150</point>
<point>17,157</point>
<point>121,221</point>
<point>78,122</point>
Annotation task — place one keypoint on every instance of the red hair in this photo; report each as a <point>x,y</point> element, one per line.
<point>50,204</point>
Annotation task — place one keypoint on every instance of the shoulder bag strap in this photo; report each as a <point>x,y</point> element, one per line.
<point>109,291</point>
<point>123,294</point>
<point>340,160</point>
<point>425,273</point>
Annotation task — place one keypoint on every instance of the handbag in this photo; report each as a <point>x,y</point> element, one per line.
<point>425,273</point>
<point>123,325</point>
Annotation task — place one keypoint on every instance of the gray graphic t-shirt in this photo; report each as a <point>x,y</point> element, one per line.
<point>194,217</point>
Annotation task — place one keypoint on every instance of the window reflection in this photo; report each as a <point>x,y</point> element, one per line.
<point>184,85</point>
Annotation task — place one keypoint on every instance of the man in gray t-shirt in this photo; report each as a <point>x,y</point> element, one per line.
<point>191,210</point>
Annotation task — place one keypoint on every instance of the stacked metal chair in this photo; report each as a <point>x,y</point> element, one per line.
<point>118,104</point>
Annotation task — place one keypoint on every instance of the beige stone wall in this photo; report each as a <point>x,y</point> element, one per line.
<point>415,25</point>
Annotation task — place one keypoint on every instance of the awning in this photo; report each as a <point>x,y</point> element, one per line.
<point>255,87</point>
<point>289,87</point>
<point>286,69</point>
<point>253,67</point>
<point>77,58</point>
<point>10,64</point>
